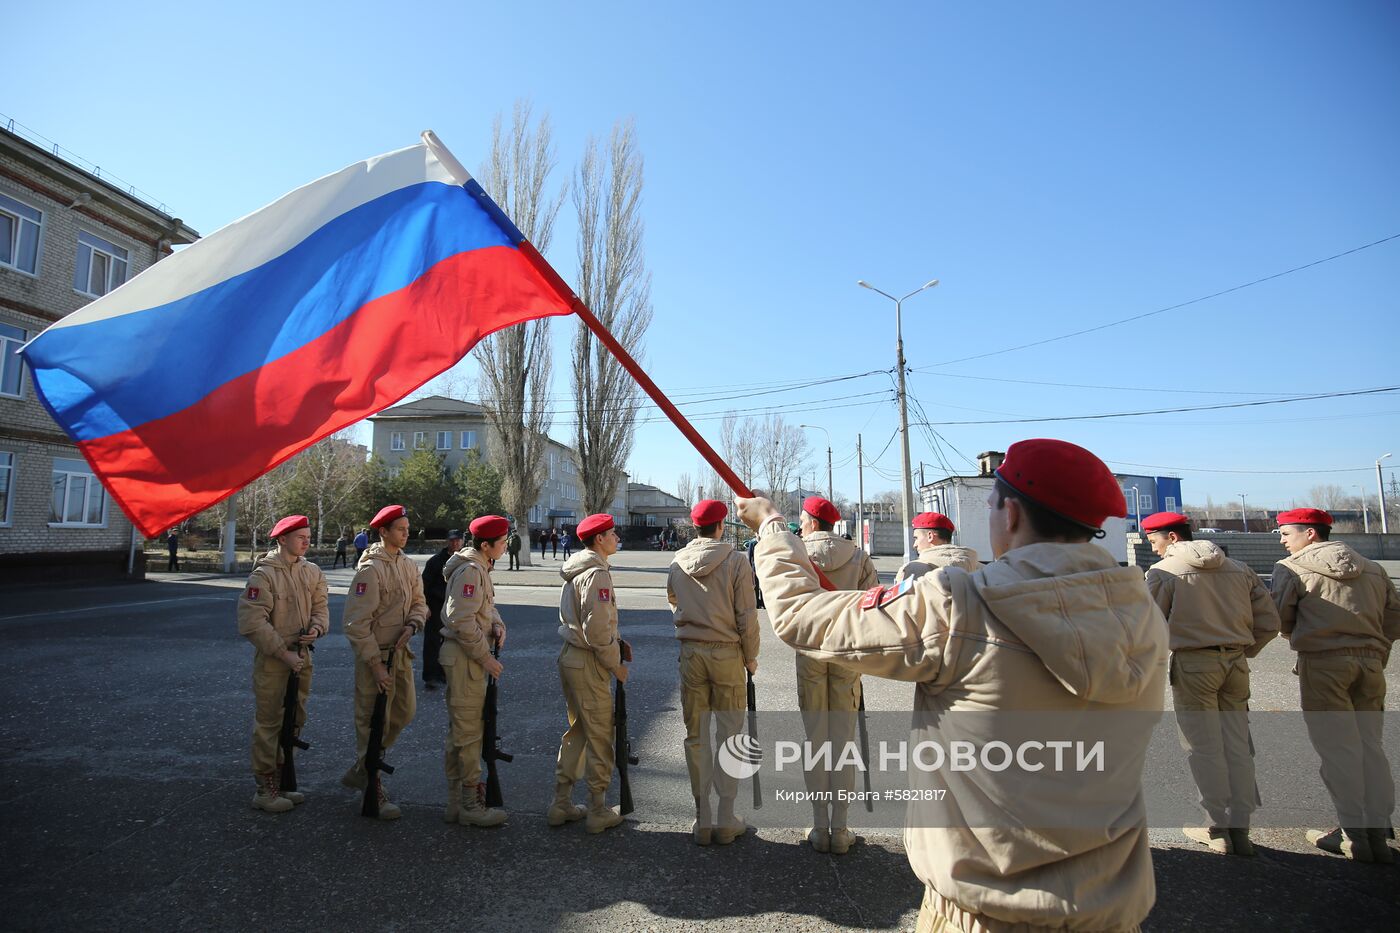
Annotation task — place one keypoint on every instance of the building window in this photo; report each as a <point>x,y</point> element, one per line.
<point>468,440</point>
<point>101,265</point>
<point>420,440</point>
<point>444,440</point>
<point>1146,502</point>
<point>1169,504</point>
<point>11,363</point>
<point>20,226</point>
<point>396,441</point>
<point>78,498</point>
<point>7,482</point>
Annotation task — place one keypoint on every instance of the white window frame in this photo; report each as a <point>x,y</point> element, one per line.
<point>1169,504</point>
<point>396,440</point>
<point>19,221</point>
<point>90,487</point>
<point>7,486</point>
<point>444,436</point>
<point>468,440</point>
<point>1146,501</point>
<point>420,440</point>
<point>114,255</point>
<point>8,346</point>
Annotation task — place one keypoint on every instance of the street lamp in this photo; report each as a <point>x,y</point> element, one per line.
<point>1244,516</point>
<point>1365,513</point>
<point>818,427</point>
<point>1380,489</point>
<point>908,478</point>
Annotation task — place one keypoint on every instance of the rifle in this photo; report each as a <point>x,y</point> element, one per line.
<point>753,734</point>
<point>622,747</point>
<point>289,740</point>
<point>491,739</point>
<point>865,754</point>
<point>374,751</point>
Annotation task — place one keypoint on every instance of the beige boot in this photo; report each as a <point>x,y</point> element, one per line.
<point>820,833</point>
<point>387,809</point>
<point>295,796</point>
<point>563,810</point>
<point>475,813</point>
<point>1240,844</point>
<point>1352,843</point>
<point>703,827</point>
<point>841,840</point>
<point>355,778</point>
<point>1380,849</point>
<point>1213,838</point>
<point>729,826</point>
<point>600,815</point>
<point>456,793</point>
<point>267,798</point>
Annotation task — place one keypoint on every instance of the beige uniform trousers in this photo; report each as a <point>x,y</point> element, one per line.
<point>829,696</point>
<point>589,740</point>
<point>269,693</point>
<point>398,711</point>
<point>1210,691</point>
<point>466,700</point>
<point>712,681</point>
<point>937,915</point>
<point>1354,767</point>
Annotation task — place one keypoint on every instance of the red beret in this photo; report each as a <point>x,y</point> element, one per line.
<point>821,509</point>
<point>1159,520</point>
<point>933,520</point>
<point>1064,478</point>
<point>390,513</point>
<point>290,523</point>
<point>594,524</point>
<point>708,511</point>
<point>1304,517</point>
<point>489,526</point>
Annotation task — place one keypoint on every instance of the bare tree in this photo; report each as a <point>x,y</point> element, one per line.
<point>1329,497</point>
<point>327,474</point>
<point>515,362</point>
<point>614,283</point>
<point>685,488</point>
<point>782,452</point>
<point>743,451</point>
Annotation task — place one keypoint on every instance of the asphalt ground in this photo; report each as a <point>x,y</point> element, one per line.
<point>125,727</point>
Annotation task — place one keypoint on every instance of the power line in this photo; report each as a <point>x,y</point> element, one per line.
<point>1076,385</point>
<point>1156,466</point>
<point>1168,411</point>
<point>1147,314</point>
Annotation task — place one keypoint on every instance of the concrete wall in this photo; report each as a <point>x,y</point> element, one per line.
<point>1261,550</point>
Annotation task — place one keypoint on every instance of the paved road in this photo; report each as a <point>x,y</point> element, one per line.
<point>124,729</point>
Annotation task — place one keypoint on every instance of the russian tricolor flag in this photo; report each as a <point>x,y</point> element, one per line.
<point>223,360</point>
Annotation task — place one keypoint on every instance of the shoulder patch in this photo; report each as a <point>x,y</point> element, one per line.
<point>891,593</point>
<point>252,592</point>
<point>871,599</point>
<point>605,595</point>
<point>468,589</point>
<point>360,588</point>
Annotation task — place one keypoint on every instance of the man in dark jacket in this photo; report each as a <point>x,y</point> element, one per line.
<point>435,592</point>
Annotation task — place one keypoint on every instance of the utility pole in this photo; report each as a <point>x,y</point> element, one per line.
<point>230,527</point>
<point>1380,489</point>
<point>860,492</point>
<point>1244,516</point>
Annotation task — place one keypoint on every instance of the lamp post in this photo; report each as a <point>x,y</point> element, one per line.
<point>1244,516</point>
<point>1365,513</point>
<point>1380,490</point>
<point>908,479</point>
<point>817,427</point>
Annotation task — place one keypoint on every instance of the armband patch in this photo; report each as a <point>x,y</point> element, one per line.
<point>604,595</point>
<point>360,588</point>
<point>468,589</point>
<point>252,592</point>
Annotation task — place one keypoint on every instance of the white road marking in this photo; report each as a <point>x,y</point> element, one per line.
<point>149,602</point>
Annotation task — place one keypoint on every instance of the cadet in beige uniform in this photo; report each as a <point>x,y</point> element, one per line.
<point>1054,624</point>
<point>1341,614</point>
<point>384,608</point>
<point>593,654</point>
<point>933,539</point>
<point>829,693</point>
<point>281,611</point>
<point>711,590</point>
<point>471,626</point>
<point>1218,614</point>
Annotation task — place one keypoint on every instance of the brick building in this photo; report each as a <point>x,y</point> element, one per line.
<point>66,237</point>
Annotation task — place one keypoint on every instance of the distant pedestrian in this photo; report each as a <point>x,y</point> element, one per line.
<point>361,545</point>
<point>567,542</point>
<point>173,542</point>
<point>513,548</point>
<point>342,545</point>
<point>544,541</point>
<point>435,592</point>
<point>554,542</point>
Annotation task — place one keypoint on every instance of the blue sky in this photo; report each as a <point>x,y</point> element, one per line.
<point>1056,165</point>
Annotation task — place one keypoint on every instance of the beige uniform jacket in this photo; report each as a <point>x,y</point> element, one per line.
<point>470,608</point>
<point>588,608</point>
<point>1048,627</point>
<point>279,600</point>
<point>942,555</point>
<point>385,596</point>
<point>845,565</point>
<point>710,587</point>
<point>1211,601</point>
<point>1328,597</point>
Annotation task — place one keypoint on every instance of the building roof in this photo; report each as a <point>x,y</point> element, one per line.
<point>434,406</point>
